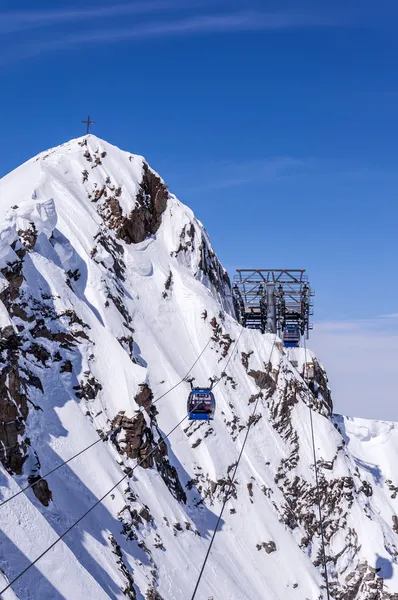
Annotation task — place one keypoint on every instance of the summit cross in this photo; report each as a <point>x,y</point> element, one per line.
<point>88,122</point>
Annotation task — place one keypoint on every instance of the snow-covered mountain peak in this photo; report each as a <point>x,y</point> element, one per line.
<point>110,293</point>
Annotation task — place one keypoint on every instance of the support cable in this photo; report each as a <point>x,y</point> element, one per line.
<point>100,500</point>
<point>107,437</point>
<point>59,538</point>
<point>321,525</point>
<point>227,496</point>
<point>130,472</point>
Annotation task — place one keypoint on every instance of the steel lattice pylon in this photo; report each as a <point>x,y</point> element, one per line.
<point>274,300</point>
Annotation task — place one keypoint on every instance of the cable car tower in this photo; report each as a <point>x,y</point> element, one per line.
<point>274,301</point>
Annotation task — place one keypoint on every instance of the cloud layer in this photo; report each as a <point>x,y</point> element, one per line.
<point>361,359</point>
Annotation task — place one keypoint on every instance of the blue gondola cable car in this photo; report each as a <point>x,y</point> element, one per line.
<point>291,336</point>
<point>201,404</point>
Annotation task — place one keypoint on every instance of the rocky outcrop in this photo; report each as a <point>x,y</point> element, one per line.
<point>28,236</point>
<point>128,590</point>
<point>13,402</point>
<point>321,394</point>
<point>34,343</point>
<point>264,379</point>
<point>145,219</point>
<point>152,594</point>
<point>195,250</point>
<point>221,338</point>
<point>40,489</point>
<point>211,267</point>
<point>364,582</point>
<point>269,547</point>
<point>139,437</point>
<point>110,254</point>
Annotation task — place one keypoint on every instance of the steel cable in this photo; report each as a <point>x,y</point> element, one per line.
<point>227,497</point>
<point>106,438</point>
<point>59,538</point>
<point>100,500</point>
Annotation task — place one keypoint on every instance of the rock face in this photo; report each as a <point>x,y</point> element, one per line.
<point>146,217</point>
<point>139,438</point>
<point>111,300</point>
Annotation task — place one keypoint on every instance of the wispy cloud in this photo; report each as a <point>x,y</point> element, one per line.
<point>241,21</point>
<point>197,24</point>
<point>11,22</point>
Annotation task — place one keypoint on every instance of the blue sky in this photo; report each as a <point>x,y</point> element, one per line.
<point>275,121</point>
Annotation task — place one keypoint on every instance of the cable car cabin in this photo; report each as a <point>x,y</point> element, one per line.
<point>291,336</point>
<point>201,404</point>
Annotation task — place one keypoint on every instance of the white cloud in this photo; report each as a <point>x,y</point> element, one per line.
<point>11,22</point>
<point>361,359</point>
<point>247,20</point>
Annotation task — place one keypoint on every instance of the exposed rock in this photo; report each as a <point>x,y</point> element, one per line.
<point>41,489</point>
<point>167,285</point>
<point>40,353</point>
<point>152,594</point>
<point>114,250</point>
<point>210,266</point>
<point>9,340</point>
<point>269,547</point>
<point>28,237</point>
<point>64,338</point>
<point>137,440</point>
<point>250,490</point>
<point>144,397</point>
<point>13,413</point>
<point>224,340</point>
<point>145,219</point>
<point>88,388</point>
<point>322,401</point>
<point>66,367</point>
<point>13,274</point>
<point>395,523</point>
<point>255,397</point>
<point>187,237</point>
<point>264,380</point>
<point>129,590</point>
<point>146,514</point>
<point>363,582</point>
<point>246,358</point>
<point>127,342</point>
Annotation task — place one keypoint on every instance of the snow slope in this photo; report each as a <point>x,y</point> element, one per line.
<point>109,292</point>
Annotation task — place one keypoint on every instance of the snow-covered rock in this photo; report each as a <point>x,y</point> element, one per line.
<point>109,291</point>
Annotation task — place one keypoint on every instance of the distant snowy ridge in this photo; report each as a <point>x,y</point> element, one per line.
<point>109,291</point>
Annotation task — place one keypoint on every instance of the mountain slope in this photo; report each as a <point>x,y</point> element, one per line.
<point>110,291</point>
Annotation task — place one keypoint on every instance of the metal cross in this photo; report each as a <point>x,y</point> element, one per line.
<point>88,122</point>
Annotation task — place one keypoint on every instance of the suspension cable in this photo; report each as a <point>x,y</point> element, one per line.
<point>107,437</point>
<point>227,496</point>
<point>100,500</point>
<point>321,524</point>
<point>59,538</point>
